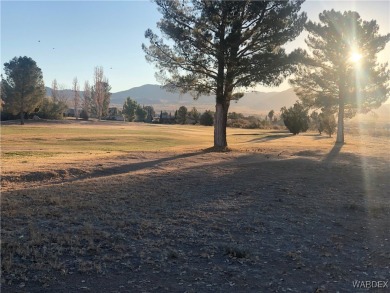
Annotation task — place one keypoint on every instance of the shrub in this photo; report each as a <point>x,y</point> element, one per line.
<point>246,123</point>
<point>84,115</point>
<point>329,123</point>
<point>50,109</point>
<point>295,118</point>
<point>316,122</point>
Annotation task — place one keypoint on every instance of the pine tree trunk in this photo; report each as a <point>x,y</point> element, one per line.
<point>340,122</point>
<point>220,121</point>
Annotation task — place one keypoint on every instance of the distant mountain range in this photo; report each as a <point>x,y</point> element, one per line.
<point>160,99</point>
<point>252,103</point>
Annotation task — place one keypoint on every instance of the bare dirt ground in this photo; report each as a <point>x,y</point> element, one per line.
<point>280,214</point>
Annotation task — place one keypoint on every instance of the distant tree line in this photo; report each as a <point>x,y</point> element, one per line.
<point>132,111</point>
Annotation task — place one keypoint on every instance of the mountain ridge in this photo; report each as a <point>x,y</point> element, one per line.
<point>252,103</point>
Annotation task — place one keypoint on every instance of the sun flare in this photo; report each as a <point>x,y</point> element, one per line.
<point>355,57</point>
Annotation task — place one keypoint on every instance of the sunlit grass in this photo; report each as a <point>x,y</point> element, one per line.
<point>50,145</point>
<point>75,138</point>
<point>42,139</point>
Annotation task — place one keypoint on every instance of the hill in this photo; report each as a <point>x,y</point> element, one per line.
<point>260,102</point>
<point>66,93</point>
<point>251,103</point>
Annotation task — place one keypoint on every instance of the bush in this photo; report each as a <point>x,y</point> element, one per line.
<point>246,123</point>
<point>295,118</point>
<point>51,110</point>
<point>207,119</point>
<point>316,122</point>
<point>84,115</point>
<point>323,122</point>
<point>253,122</point>
<point>328,123</point>
<point>236,123</point>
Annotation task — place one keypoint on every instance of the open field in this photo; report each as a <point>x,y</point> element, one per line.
<point>114,207</point>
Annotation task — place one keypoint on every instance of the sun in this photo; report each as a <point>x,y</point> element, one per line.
<point>355,57</point>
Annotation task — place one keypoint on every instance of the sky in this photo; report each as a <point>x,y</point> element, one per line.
<point>68,39</point>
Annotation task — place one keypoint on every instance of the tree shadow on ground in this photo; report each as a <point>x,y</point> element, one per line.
<point>257,134</point>
<point>121,169</point>
<point>319,137</point>
<point>333,154</point>
<point>245,216</point>
<point>271,137</point>
<point>57,176</point>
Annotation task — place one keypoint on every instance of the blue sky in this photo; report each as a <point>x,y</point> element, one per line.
<point>85,34</point>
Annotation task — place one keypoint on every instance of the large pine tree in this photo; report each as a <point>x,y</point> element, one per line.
<point>342,73</point>
<point>219,47</point>
<point>23,88</point>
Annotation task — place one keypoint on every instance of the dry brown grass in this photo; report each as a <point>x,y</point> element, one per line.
<point>277,213</point>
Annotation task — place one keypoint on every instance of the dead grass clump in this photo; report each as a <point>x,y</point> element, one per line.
<point>236,252</point>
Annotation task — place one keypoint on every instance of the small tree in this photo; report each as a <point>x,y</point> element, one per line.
<point>54,90</point>
<point>182,115</point>
<point>270,115</point>
<point>140,113</point>
<point>150,113</point>
<point>207,118</point>
<point>51,109</point>
<point>328,122</point>
<point>107,97</point>
<point>84,115</point>
<point>23,89</point>
<point>129,108</point>
<point>316,122</point>
<point>100,93</point>
<point>76,97</point>
<point>295,118</point>
<point>194,115</point>
<point>87,99</point>
<point>63,94</point>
